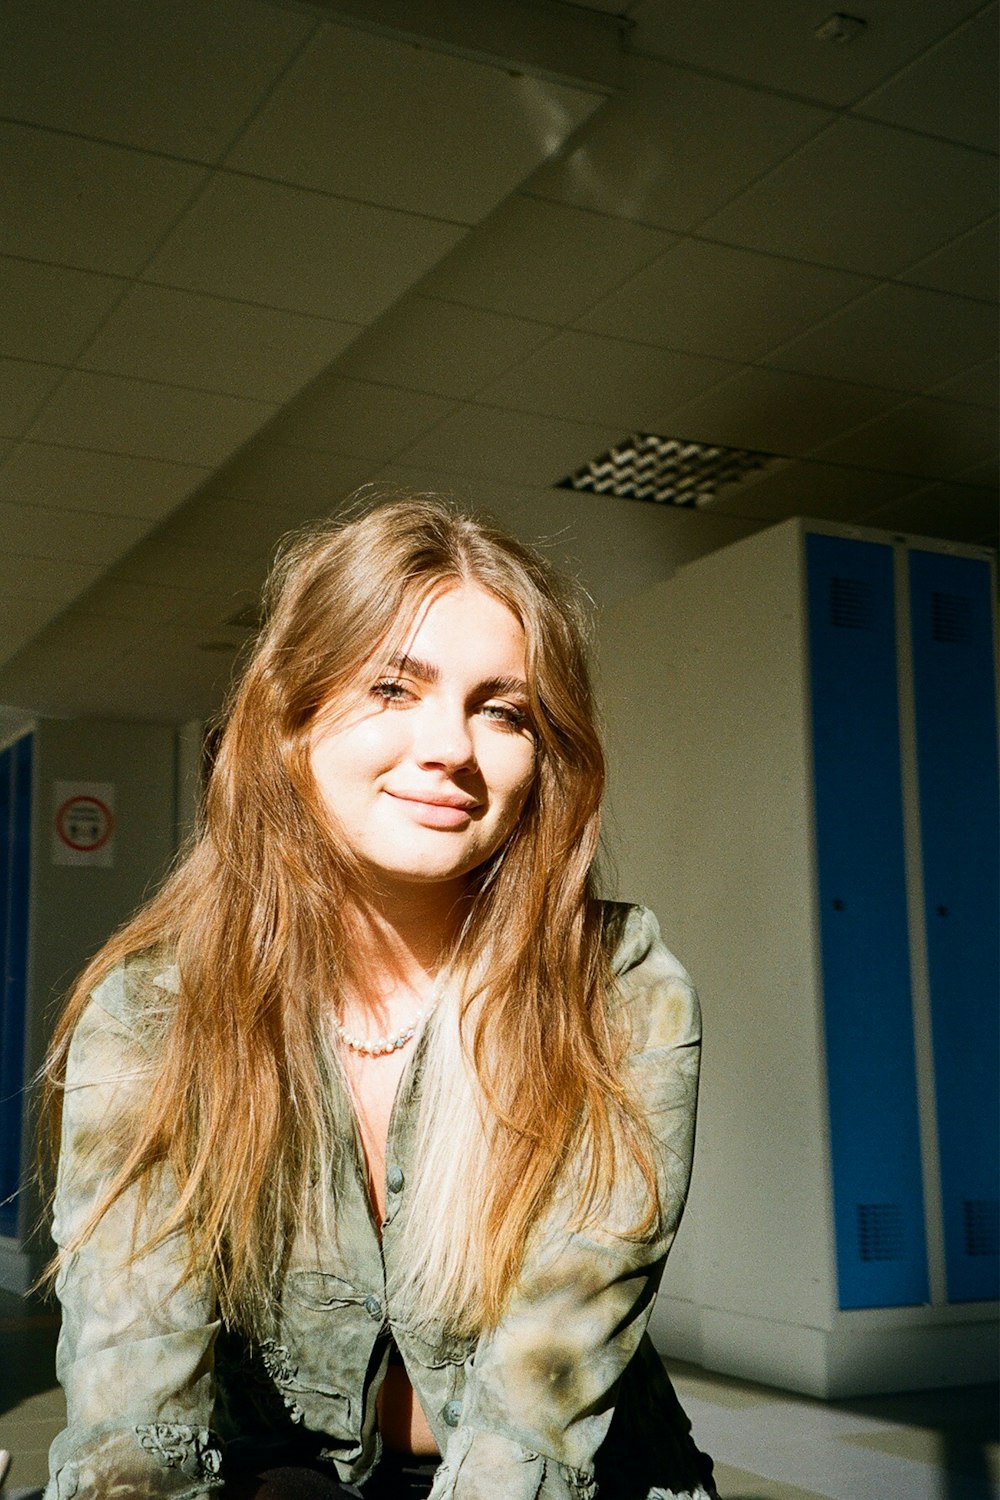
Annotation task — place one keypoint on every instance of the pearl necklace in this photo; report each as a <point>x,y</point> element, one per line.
<point>381,1046</point>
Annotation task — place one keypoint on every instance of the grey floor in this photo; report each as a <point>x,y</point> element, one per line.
<point>768,1445</point>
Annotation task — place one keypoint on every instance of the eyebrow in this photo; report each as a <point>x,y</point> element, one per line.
<point>426,671</point>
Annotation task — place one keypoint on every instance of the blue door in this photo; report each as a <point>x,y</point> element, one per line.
<point>871,1066</point>
<point>955,692</point>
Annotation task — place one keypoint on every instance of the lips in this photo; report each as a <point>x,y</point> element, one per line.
<point>436,809</point>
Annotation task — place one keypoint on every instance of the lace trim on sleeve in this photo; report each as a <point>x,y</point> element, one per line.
<point>179,1446</point>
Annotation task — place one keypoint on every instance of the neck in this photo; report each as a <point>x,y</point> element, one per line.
<point>403,941</point>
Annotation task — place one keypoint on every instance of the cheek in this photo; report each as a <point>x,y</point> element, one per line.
<point>516,780</point>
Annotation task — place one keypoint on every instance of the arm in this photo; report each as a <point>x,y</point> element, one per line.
<point>542,1390</point>
<point>135,1351</point>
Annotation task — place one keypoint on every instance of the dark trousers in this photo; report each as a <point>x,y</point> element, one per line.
<point>395,1479</point>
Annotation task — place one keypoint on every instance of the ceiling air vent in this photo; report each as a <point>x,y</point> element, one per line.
<point>667,471</point>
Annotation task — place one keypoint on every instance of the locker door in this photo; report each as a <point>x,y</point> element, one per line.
<point>955,692</point>
<point>871,1068</point>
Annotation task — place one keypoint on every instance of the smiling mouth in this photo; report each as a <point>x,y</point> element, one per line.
<point>438,812</point>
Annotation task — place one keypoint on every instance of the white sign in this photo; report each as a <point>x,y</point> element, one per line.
<point>83,823</point>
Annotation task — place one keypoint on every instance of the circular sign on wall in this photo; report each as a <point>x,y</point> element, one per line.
<point>84,824</point>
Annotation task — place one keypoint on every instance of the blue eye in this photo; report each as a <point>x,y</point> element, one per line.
<point>506,714</point>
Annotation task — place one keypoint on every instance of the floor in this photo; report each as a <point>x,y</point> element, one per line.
<point>768,1445</point>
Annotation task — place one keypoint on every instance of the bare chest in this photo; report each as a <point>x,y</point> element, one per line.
<point>374,1083</point>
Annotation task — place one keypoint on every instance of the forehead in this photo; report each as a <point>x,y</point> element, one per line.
<point>462,624</point>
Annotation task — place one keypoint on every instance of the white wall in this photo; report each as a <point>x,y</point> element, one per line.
<point>704,693</point>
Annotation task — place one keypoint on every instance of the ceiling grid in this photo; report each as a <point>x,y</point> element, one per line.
<point>252,258</point>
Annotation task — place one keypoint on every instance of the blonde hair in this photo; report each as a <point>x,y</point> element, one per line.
<point>526,1062</point>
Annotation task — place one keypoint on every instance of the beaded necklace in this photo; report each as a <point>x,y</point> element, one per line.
<point>381,1046</point>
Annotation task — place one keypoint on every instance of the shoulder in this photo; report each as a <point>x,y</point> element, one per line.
<point>138,993</point>
<point>654,985</point>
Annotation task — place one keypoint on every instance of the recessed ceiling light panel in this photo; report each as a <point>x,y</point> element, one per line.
<point>666,471</point>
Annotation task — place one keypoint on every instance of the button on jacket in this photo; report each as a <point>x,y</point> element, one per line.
<point>564,1400</point>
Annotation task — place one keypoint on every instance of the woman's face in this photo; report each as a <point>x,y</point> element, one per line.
<point>425,770</point>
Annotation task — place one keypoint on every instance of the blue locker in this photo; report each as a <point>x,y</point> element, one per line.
<point>955,694</point>
<point>15,870</point>
<point>871,1065</point>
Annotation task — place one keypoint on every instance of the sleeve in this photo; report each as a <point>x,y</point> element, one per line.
<point>542,1388</point>
<point>135,1355</point>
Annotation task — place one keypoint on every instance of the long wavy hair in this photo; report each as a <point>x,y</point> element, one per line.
<point>527,1065</point>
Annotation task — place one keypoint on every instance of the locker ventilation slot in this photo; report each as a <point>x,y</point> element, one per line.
<point>982,1226</point>
<point>880,1231</point>
<point>851,604</point>
<point>951,617</point>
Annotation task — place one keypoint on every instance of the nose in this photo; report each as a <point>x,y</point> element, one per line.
<point>444,736</point>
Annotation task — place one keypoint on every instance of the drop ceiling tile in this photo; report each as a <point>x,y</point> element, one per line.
<point>120,599</point>
<point>95,640</point>
<point>482,129</point>
<point>585,378</point>
<point>24,386</point>
<point>26,615</point>
<point>175,76</point>
<point>291,248</point>
<point>357,418</point>
<point>248,531</point>
<point>775,411</point>
<point>441,347</point>
<point>979,385</point>
<point>775,45</point>
<point>827,492</point>
<point>214,613</point>
<point>863,196</point>
<point>49,312</point>
<point>67,535</point>
<point>163,695</point>
<point>60,683</point>
<point>968,266</point>
<point>955,512</point>
<point>185,338</point>
<point>267,474</point>
<point>985,473</point>
<point>165,565</point>
<point>24,576</point>
<point>663,151</point>
<point>20,621</point>
<point>197,680</point>
<point>903,337</point>
<point>951,90</point>
<point>513,447</point>
<point>925,437</point>
<point>150,421</point>
<point>536,259</point>
<point>80,203</point>
<point>713,299</point>
<point>113,484</point>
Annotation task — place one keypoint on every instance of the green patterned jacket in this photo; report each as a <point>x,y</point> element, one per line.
<point>565,1400</point>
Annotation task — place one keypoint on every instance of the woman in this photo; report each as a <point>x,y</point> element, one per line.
<point>376,1125</point>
